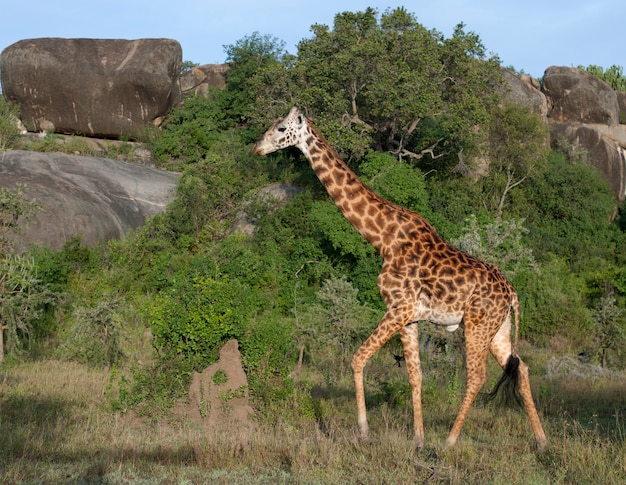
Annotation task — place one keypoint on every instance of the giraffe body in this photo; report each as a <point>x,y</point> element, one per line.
<point>422,278</point>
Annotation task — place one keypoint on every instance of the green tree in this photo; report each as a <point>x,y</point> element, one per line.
<point>257,70</point>
<point>24,301</point>
<point>387,82</point>
<point>95,334</point>
<point>15,211</point>
<point>518,148</point>
<point>345,320</point>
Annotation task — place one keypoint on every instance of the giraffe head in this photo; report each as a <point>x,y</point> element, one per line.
<point>285,132</point>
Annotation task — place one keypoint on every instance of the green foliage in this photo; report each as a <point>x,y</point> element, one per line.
<point>451,201</point>
<point>24,299</point>
<point>9,115</point>
<point>613,75</point>
<point>360,79</point>
<point>188,132</point>
<point>24,304</point>
<point>499,242</point>
<point>220,377</point>
<point>610,330</point>
<point>52,142</point>
<point>396,181</point>
<point>256,64</point>
<point>95,334</point>
<point>268,354</point>
<point>15,210</point>
<point>346,321</point>
<point>552,302</point>
<point>517,150</point>
<point>572,207</point>
<point>187,66</point>
<point>338,231</point>
<point>194,318</point>
<point>55,267</point>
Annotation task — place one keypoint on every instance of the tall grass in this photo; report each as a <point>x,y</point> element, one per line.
<point>57,427</point>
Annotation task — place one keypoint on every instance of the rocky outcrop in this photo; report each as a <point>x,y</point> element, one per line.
<point>94,198</point>
<point>271,196</point>
<point>94,87</point>
<point>524,90</point>
<point>604,151</point>
<point>578,96</point>
<point>199,79</point>
<point>584,111</point>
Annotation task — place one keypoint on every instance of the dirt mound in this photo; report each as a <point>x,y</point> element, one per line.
<point>219,395</point>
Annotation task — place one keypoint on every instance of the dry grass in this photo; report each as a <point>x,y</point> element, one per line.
<point>56,428</point>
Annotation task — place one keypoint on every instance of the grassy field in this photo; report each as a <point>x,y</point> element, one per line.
<point>57,427</point>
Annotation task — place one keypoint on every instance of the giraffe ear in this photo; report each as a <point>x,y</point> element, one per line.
<point>299,119</point>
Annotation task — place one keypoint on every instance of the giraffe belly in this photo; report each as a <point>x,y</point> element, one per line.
<point>448,317</point>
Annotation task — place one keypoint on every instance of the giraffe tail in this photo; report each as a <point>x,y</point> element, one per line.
<point>515,306</point>
<point>508,384</point>
<point>510,377</point>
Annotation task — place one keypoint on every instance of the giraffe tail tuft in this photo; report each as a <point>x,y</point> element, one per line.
<point>508,384</point>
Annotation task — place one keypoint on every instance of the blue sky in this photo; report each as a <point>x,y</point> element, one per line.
<point>530,35</point>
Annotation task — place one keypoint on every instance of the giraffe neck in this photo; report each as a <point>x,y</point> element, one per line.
<point>369,213</point>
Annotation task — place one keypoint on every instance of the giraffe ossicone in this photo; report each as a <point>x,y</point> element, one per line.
<point>422,278</point>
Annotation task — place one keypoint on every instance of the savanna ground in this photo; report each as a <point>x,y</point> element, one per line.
<point>58,427</point>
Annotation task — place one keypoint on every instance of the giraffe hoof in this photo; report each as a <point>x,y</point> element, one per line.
<point>418,445</point>
<point>366,440</point>
<point>542,444</point>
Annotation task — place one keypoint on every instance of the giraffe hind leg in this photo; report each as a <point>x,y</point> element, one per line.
<point>515,381</point>
<point>476,361</point>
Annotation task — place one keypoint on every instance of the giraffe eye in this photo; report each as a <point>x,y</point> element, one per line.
<point>282,129</point>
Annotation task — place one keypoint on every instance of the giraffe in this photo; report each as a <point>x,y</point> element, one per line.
<point>422,278</point>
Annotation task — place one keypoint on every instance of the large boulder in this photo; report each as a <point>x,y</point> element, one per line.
<point>94,198</point>
<point>605,147</point>
<point>199,79</point>
<point>102,88</point>
<point>524,90</point>
<point>578,96</point>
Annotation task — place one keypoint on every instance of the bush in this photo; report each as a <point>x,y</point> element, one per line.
<point>95,335</point>
<point>552,301</point>
<point>194,318</point>
<point>268,350</point>
<point>571,210</point>
<point>189,131</point>
<point>9,115</point>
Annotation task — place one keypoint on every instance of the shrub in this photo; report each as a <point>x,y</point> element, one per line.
<point>194,318</point>
<point>9,115</point>
<point>95,335</point>
<point>268,350</point>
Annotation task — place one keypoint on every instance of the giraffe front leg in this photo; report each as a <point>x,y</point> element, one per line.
<point>394,320</point>
<point>410,345</point>
<point>359,387</point>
